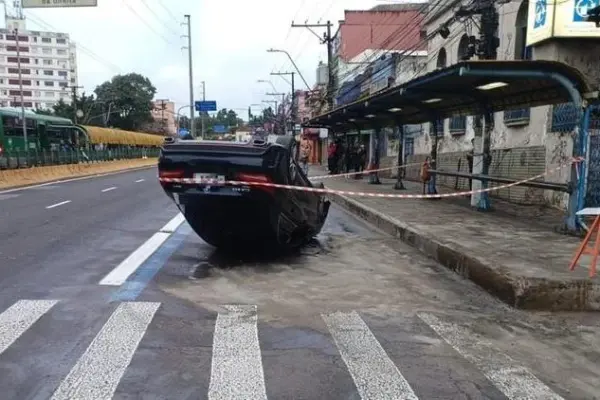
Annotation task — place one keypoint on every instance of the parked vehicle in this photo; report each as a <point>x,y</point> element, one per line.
<point>242,217</point>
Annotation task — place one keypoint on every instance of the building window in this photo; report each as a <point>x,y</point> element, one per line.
<point>49,105</point>
<point>48,83</point>
<point>62,84</point>
<point>21,49</point>
<point>48,94</point>
<point>48,73</point>
<point>47,62</point>
<point>62,73</point>
<point>26,82</point>
<point>26,93</point>
<point>46,50</point>
<point>61,52</point>
<point>46,40</point>
<point>37,93</point>
<point>61,41</point>
<point>16,71</point>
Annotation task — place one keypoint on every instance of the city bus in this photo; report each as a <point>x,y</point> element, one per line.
<point>44,132</point>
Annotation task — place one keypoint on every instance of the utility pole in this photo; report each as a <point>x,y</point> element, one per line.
<point>74,100</point>
<point>202,112</point>
<point>486,48</point>
<point>191,73</point>
<point>293,109</point>
<point>25,143</point>
<point>328,40</point>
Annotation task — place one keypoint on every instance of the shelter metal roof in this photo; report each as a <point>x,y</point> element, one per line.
<point>120,137</point>
<point>461,89</point>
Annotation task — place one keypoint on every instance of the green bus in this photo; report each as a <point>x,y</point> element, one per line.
<point>44,132</point>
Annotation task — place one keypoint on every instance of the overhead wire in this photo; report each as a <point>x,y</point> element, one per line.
<point>403,54</point>
<point>80,47</point>
<point>159,19</point>
<point>169,13</point>
<point>148,25</point>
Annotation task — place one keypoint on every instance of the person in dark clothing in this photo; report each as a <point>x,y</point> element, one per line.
<point>470,156</point>
<point>361,160</point>
<point>331,150</point>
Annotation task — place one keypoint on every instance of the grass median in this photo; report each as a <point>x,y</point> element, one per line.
<point>14,178</point>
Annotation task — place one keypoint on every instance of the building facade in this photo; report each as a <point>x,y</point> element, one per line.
<point>48,66</point>
<point>524,142</point>
<point>164,118</point>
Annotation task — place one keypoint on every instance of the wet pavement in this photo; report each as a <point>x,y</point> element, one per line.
<point>354,315</point>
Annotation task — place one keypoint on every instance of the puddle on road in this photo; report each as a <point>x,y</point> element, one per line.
<point>220,261</point>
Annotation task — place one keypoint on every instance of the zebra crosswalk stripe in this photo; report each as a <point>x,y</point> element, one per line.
<point>237,370</point>
<point>515,381</point>
<point>99,370</point>
<point>374,374</point>
<point>19,317</point>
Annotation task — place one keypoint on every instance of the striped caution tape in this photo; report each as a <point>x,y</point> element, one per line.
<point>213,182</point>
<point>321,177</point>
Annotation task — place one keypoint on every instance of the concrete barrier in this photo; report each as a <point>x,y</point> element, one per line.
<point>14,178</point>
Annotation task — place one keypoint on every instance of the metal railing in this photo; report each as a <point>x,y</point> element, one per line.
<point>35,158</point>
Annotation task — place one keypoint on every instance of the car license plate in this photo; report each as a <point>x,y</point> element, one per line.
<point>214,178</point>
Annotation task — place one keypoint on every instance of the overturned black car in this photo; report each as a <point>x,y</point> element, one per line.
<point>242,217</point>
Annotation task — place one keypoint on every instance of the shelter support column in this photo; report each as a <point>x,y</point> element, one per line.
<point>400,171</point>
<point>375,156</point>
<point>482,162</point>
<point>431,188</point>
<point>579,172</point>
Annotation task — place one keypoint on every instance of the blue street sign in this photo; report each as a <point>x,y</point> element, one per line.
<point>183,132</point>
<point>220,129</point>
<point>209,105</point>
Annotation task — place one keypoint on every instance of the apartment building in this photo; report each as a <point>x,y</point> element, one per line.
<point>48,66</point>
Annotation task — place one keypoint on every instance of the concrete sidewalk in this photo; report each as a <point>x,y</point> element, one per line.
<point>511,252</point>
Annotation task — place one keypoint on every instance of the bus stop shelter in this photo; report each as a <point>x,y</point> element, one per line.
<point>476,88</point>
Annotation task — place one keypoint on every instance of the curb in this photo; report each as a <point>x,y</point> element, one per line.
<point>90,175</point>
<point>517,291</point>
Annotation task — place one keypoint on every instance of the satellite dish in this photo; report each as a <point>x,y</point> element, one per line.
<point>79,114</point>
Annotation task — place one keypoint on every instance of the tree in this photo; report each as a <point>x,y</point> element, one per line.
<point>130,97</point>
<point>87,104</point>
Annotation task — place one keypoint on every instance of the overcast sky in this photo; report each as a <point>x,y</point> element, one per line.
<point>229,41</point>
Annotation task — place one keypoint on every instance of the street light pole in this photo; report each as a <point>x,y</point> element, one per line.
<point>293,63</point>
<point>191,73</point>
<point>202,113</point>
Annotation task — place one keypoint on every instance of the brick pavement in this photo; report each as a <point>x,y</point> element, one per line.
<point>511,252</point>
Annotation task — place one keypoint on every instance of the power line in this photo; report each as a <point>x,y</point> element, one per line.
<point>158,18</point>
<point>148,25</point>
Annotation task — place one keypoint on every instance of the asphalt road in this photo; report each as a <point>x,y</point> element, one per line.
<point>105,293</point>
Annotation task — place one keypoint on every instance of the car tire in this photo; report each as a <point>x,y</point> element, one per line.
<point>289,142</point>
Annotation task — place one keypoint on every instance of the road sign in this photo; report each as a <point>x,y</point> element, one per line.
<point>208,105</point>
<point>58,3</point>
<point>220,129</point>
<point>182,132</point>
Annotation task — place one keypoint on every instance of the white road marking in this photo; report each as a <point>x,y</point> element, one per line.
<point>515,381</point>
<point>62,203</point>
<point>119,275</point>
<point>374,374</point>
<point>140,180</point>
<point>19,317</point>
<point>8,196</point>
<point>99,370</point>
<point>109,189</point>
<point>237,371</point>
<point>173,224</point>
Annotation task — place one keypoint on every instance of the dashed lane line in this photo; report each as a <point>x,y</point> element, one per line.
<point>62,203</point>
<point>109,189</point>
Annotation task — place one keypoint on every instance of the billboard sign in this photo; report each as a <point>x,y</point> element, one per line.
<point>58,3</point>
<point>560,19</point>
